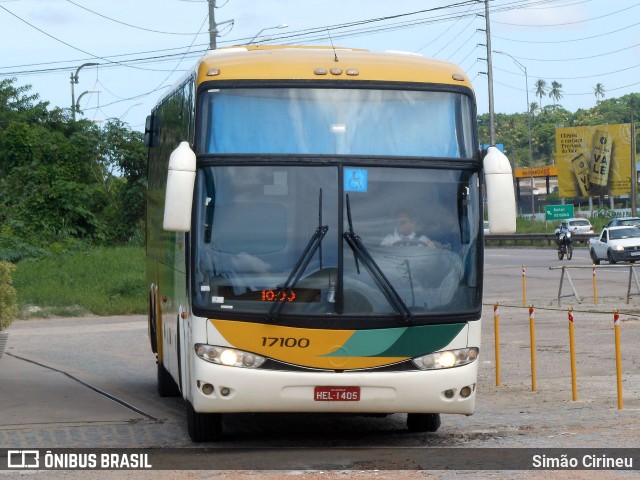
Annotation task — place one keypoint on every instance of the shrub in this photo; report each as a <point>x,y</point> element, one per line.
<point>8,302</point>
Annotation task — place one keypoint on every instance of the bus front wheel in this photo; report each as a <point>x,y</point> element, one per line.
<point>203,427</point>
<point>423,422</point>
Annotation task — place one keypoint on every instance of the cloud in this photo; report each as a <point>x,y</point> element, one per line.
<point>53,14</point>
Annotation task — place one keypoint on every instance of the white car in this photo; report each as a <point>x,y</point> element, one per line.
<point>616,244</point>
<point>579,225</point>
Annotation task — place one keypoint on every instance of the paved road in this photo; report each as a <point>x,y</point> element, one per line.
<point>543,272</point>
<point>90,382</point>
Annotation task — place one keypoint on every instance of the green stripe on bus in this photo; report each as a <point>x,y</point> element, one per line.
<point>398,342</point>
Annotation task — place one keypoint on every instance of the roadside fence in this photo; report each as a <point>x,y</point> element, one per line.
<point>631,282</point>
<point>589,352</point>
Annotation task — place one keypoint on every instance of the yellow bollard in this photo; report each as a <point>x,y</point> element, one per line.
<point>616,329</point>
<point>595,290</point>
<point>496,328</point>
<point>532,333</point>
<point>524,287</point>
<point>572,354</point>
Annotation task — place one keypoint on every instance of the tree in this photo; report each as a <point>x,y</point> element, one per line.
<point>534,108</point>
<point>541,89</point>
<point>124,158</point>
<point>598,91</point>
<point>556,91</point>
<point>61,179</point>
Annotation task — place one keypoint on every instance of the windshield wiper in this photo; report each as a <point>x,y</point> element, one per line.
<point>314,243</point>
<point>361,252</point>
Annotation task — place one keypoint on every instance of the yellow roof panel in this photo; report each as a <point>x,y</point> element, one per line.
<point>302,63</point>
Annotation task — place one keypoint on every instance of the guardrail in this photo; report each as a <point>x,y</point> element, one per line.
<point>550,238</point>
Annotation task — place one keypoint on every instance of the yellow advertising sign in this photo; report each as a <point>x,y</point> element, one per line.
<point>594,160</point>
<point>526,172</point>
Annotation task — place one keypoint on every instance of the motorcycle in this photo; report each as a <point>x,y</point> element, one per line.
<point>565,245</point>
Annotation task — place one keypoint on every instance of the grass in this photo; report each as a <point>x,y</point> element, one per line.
<point>91,280</point>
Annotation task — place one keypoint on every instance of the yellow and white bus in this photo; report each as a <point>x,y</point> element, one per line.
<point>277,176</point>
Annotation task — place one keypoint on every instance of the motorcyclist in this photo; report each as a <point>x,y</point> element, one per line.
<point>561,234</point>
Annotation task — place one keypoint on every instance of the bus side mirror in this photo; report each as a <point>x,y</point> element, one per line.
<point>179,194</point>
<point>501,199</point>
<point>150,132</point>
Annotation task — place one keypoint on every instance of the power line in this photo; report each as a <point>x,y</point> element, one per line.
<point>128,24</point>
<point>567,23</point>
<point>371,26</point>
<point>580,58</point>
<point>63,42</point>
<point>583,77</point>
<point>569,40</point>
<point>316,33</point>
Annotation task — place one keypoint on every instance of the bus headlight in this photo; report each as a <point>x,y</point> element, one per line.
<point>446,359</point>
<point>230,357</point>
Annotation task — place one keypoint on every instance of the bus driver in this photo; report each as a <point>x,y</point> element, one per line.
<point>405,232</point>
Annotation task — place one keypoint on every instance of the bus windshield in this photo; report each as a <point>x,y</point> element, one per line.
<point>326,121</point>
<point>279,240</point>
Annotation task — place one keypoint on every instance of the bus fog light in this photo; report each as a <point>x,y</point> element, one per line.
<point>446,359</point>
<point>207,389</point>
<point>449,393</point>
<point>465,392</point>
<point>224,391</point>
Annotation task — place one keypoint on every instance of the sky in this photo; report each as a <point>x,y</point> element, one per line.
<point>142,47</point>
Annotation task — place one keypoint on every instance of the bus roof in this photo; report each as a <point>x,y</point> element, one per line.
<point>325,63</point>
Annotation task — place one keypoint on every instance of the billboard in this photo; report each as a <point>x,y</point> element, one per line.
<point>594,160</point>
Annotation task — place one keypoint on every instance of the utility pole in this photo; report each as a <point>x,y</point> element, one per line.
<point>634,174</point>
<point>213,27</point>
<point>492,122</point>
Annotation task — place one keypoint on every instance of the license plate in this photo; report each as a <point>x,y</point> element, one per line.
<point>336,394</point>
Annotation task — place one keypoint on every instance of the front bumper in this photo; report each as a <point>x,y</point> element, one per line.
<point>237,390</point>
<point>630,255</point>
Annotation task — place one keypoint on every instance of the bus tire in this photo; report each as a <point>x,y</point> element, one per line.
<point>167,387</point>
<point>203,427</point>
<point>423,422</point>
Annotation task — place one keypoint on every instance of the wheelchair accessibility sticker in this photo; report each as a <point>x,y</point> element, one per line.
<point>355,179</point>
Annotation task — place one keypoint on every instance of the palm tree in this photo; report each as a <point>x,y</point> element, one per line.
<point>534,108</point>
<point>541,89</point>
<point>598,91</point>
<point>556,91</point>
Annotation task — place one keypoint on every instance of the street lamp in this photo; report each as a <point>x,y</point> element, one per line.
<point>74,80</point>
<point>526,84</point>
<point>77,105</point>
<point>282,25</point>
